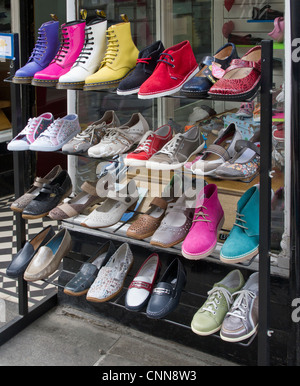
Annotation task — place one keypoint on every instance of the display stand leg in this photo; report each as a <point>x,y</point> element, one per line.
<point>265,203</point>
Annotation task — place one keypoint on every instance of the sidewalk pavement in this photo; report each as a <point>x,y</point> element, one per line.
<point>69,337</point>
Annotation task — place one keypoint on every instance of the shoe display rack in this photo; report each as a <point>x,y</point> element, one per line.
<point>84,246</point>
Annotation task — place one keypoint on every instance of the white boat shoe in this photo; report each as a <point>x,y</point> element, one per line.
<point>112,209</point>
<point>110,279</point>
<point>141,287</point>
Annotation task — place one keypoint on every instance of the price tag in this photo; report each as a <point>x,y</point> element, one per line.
<point>6,46</point>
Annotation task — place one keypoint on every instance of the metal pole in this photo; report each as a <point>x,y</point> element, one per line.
<point>295,176</point>
<point>265,203</point>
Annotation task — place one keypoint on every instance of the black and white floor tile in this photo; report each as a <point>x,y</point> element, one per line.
<point>8,248</point>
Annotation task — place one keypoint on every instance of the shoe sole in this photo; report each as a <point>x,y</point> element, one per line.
<point>128,92</point>
<point>76,294</point>
<point>210,251</point>
<point>205,333</point>
<point>249,95</point>
<point>105,85</point>
<point>170,91</point>
<point>44,83</point>
<point>240,259</point>
<point>54,148</point>
<point>70,86</point>
<point>158,244</point>
<point>139,237</point>
<point>25,148</point>
<point>162,166</point>
<point>133,162</point>
<point>17,80</point>
<point>239,339</point>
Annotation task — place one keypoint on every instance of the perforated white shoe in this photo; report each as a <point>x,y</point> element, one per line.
<point>112,209</point>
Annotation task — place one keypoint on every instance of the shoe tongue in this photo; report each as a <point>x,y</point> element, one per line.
<point>229,289</point>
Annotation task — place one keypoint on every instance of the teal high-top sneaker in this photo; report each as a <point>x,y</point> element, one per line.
<point>243,241</point>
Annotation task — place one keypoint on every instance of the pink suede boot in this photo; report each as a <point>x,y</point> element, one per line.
<point>202,238</point>
<point>72,41</point>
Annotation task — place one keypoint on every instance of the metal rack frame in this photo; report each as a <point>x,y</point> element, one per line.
<point>27,316</point>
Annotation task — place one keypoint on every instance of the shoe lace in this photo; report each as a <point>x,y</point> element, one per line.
<point>87,49</point>
<point>241,304</point>
<point>52,130</point>
<point>172,146</point>
<point>143,60</point>
<point>112,48</point>
<point>40,46</point>
<point>213,301</point>
<point>64,45</point>
<point>31,126</point>
<point>240,221</point>
<point>203,215</point>
<point>145,142</point>
<point>166,58</point>
<point>89,132</point>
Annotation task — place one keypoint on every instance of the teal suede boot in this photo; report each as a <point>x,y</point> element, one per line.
<point>243,241</point>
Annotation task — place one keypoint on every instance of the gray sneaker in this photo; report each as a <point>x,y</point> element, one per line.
<point>241,322</point>
<point>92,135</point>
<point>178,151</point>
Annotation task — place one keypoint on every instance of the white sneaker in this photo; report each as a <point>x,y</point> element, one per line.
<point>34,128</point>
<point>90,57</point>
<point>121,139</point>
<point>61,131</point>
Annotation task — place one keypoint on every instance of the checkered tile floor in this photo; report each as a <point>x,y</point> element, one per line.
<point>9,287</point>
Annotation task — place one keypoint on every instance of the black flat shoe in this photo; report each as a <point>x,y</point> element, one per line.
<point>22,259</point>
<point>51,195</point>
<point>166,294</point>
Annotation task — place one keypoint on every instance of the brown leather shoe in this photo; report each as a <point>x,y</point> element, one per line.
<point>147,223</point>
<point>47,259</point>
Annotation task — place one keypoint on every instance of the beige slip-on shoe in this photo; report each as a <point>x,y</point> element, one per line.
<point>47,259</point>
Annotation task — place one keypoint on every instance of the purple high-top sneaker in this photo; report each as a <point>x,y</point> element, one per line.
<point>45,49</point>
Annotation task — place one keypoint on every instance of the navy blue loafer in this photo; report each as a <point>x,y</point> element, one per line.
<point>166,294</point>
<point>201,83</point>
<point>22,259</point>
<point>88,272</point>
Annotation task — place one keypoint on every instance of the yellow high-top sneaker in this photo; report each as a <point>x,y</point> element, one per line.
<point>119,60</point>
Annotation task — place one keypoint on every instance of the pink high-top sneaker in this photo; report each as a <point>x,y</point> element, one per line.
<point>202,238</point>
<point>72,41</point>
